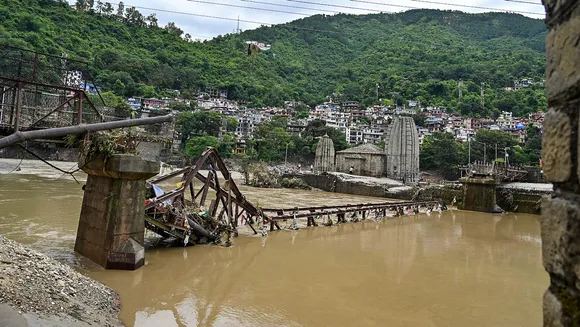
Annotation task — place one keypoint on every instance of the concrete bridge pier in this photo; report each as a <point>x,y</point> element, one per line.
<point>111,228</point>
<point>479,194</point>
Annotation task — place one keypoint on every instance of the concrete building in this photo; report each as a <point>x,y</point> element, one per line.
<point>402,150</point>
<point>366,160</point>
<point>324,160</point>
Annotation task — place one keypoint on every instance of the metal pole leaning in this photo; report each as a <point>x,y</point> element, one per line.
<point>19,137</point>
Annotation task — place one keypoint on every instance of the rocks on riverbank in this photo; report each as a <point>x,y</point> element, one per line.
<point>48,293</point>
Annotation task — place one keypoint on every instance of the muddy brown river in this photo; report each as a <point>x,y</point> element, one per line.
<point>451,269</point>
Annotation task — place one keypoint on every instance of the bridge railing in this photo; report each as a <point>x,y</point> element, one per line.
<point>18,64</point>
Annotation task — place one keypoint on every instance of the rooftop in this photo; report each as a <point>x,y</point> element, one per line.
<point>365,148</point>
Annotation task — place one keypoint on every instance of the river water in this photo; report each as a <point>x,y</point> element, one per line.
<point>451,269</point>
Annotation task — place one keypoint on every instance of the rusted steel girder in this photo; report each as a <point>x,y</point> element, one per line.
<point>52,133</point>
<point>226,196</point>
<point>338,210</point>
<point>346,206</point>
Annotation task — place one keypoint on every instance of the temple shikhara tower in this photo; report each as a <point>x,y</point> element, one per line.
<point>324,160</point>
<point>402,149</point>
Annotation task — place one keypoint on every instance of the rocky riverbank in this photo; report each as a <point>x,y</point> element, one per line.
<point>36,290</point>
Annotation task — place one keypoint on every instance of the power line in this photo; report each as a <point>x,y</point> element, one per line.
<point>338,6</point>
<point>230,19</point>
<point>386,4</point>
<point>290,6</point>
<point>526,2</point>
<point>478,7</point>
<point>246,7</point>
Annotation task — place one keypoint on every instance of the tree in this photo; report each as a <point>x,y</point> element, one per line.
<point>486,139</point>
<point>119,87</point>
<point>120,10</point>
<point>419,119</point>
<point>90,4</point>
<point>171,28</point>
<point>99,7</point>
<point>232,124</point>
<point>199,123</point>
<point>441,153</point>
<point>81,5</point>
<point>195,146</point>
<point>152,20</point>
<point>178,106</point>
<point>107,9</point>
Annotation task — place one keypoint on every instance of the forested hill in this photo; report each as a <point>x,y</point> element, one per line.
<point>415,55</point>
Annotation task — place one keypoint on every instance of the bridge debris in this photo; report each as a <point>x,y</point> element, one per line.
<point>193,220</point>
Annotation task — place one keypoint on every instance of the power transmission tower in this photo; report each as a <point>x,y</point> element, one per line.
<point>482,94</point>
<point>460,85</point>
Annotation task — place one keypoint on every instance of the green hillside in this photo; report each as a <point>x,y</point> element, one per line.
<point>416,55</point>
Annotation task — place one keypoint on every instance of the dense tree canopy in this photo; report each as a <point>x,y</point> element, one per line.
<point>416,55</point>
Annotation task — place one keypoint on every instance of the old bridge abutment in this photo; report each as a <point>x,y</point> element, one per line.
<point>111,228</point>
<point>561,211</point>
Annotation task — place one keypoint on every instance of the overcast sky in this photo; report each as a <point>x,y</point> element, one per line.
<point>203,28</point>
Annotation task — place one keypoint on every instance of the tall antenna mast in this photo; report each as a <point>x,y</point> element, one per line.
<point>483,94</point>
<point>238,30</point>
<point>460,91</point>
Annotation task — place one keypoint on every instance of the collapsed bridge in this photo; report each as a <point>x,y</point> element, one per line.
<point>186,214</point>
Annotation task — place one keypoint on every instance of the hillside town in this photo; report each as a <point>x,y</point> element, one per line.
<point>359,125</point>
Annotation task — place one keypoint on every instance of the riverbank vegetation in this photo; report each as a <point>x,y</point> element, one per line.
<point>440,152</point>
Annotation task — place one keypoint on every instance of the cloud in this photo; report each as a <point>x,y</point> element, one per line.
<point>204,27</point>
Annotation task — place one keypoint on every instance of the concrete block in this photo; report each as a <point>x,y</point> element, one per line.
<point>130,255</point>
<point>552,310</point>
<point>562,69</point>
<point>556,146</point>
<point>122,166</point>
<point>560,242</point>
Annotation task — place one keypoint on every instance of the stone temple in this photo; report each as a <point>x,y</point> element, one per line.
<point>402,149</point>
<point>399,160</point>
<point>366,160</point>
<point>324,160</point>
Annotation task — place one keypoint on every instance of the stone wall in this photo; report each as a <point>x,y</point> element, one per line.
<point>367,164</point>
<point>561,211</point>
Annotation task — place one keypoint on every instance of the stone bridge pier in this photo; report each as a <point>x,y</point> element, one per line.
<point>561,211</point>
<point>479,194</point>
<point>111,227</point>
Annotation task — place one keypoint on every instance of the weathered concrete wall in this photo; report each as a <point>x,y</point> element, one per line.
<point>154,151</point>
<point>561,211</point>
<point>55,151</point>
<point>479,194</point>
<point>402,148</point>
<point>367,164</point>
<point>111,228</point>
<point>520,200</point>
<point>331,183</point>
